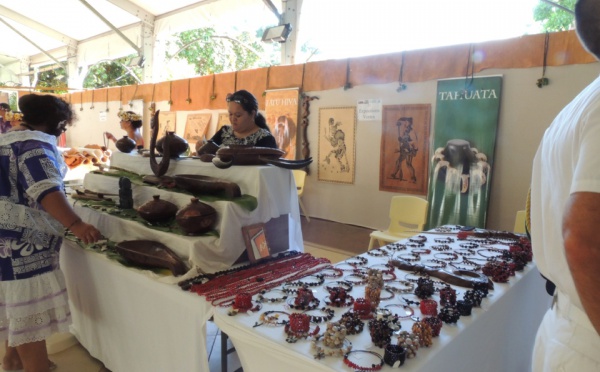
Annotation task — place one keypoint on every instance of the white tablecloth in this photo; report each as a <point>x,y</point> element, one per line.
<point>498,336</point>
<point>273,187</point>
<point>130,322</point>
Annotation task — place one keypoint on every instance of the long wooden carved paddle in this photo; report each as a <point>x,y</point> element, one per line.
<point>461,278</point>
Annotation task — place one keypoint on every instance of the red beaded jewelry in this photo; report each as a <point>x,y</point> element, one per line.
<point>362,307</point>
<point>374,366</point>
<point>428,307</point>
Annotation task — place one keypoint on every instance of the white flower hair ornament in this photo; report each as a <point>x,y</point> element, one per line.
<point>128,116</point>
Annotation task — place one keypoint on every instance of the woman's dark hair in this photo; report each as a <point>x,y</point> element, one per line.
<point>5,106</point>
<point>249,103</point>
<point>52,113</point>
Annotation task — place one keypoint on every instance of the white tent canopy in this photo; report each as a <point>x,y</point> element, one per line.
<point>80,33</point>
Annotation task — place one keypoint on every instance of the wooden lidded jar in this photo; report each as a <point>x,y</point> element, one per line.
<point>196,218</point>
<point>157,210</point>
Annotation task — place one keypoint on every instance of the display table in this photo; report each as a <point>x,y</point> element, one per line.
<point>131,322</point>
<point>274,189</point>
<point>499,336</point>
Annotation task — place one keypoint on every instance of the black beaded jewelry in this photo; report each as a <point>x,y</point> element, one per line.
<point>351,320</point>
<point>384,268</point>
<point>395,247</point>
<point>326,273</point>
<point>312,304</point>
<point>424,288</point>
<point>362,279</point>
<point>415,245</point>
<point>447,240</point>
<point>495,253</point>
<point>340,283</point>
<point>394,355</point>
<point>441,247</point>
<point>261,298</point>
<point>446,256</point>
<point>464,307</point>
<point>465,266</point>
<point>378,253</point>
<point>421,251</point>
<point>302,283</point>
<point>409,257</point>
<point>357,261</point>
<point>329,313</point>
<point>449,314</point>
<point>407,287</point>
<point>469,245</point>
<point>418,239</point>
<point>464,252</point>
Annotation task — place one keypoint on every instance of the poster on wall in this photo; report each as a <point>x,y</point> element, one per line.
<point>465,126</point>
<point>337,126</point>
<point>404,158</point>
<point>166,122</point>
<point>282,117</point>
<point>195,127</point>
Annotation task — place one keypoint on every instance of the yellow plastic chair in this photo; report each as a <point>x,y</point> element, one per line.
<point>407,215</point>
<point>300,177</point>
<point>520,223</point>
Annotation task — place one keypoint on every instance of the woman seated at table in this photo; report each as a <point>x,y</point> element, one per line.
<point>248,126</point>
<point>131,124</point>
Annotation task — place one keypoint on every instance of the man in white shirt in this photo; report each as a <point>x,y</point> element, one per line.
<point>565,221</point>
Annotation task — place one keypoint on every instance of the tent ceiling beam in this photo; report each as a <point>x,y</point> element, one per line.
<point>112,27</point>
<point>186,8</point>
<point>33,43</point>
<point>135,10</point>
<point>273,9</point>
<point>19,18</point>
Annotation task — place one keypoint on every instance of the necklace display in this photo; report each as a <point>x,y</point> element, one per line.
<point>221,290</point>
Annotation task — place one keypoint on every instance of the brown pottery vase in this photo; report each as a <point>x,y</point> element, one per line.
<point>177,145</point>
<point>157,210</point>
<point>125,144</point>
<point>196,218</point>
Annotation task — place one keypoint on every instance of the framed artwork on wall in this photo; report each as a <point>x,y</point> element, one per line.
<point>337,131</point>
<point>404,157</point>
<point>196,126</point>
<point>166,122</point>
<point>255,238</point>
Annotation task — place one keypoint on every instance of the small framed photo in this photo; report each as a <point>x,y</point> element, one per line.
<point>257,245</point>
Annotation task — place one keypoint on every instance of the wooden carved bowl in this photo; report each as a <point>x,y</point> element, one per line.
<point>202,185</point>
<point>151,254</point>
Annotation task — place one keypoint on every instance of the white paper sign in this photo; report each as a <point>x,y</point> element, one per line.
<point>369,109</point>
<point>102,116</point>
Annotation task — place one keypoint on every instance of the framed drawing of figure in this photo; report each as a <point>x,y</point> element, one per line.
<point>404,158</point>
<point>196,126</point>
<point>337,127</point>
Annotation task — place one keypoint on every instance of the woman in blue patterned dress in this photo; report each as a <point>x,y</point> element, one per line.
<point>248,126</point>
<point>33,215</point>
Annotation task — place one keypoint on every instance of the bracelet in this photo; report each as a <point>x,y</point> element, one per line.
<point>441,247</point>
<point>444,240</point>
<point>418,239</point>
<point>408,287</point>
<point>74,223</point>
<point>396,247</point>
<point>267,318</point>
<point>446,256</point>
<point>356,367</point>
<point>377,253</point>
<point>394,355</point>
